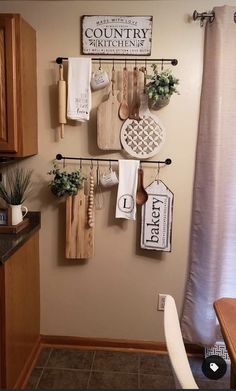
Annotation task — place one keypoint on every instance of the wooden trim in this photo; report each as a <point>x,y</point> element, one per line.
<point>29,365</point>
<point>92,343</point>
<point>2,329</point>
<point>113,344</point>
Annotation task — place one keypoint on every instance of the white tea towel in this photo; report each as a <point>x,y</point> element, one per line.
<point>79,92</point>
<point>126,196</point>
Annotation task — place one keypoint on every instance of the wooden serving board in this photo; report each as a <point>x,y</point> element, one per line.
<point>109,124</point>
<point>79,236</point>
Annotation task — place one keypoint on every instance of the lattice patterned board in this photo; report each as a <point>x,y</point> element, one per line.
<point>219,349</point>
<point>143,139</point>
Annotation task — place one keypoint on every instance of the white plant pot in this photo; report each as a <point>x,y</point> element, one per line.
<point>18,212</point>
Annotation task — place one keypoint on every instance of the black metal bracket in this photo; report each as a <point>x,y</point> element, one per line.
<point>203,15</point>
<point>210,15</point>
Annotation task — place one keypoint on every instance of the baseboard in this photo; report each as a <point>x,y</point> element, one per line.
<point>94,343</point>
<point>29,365</point>
<point>114,344</point>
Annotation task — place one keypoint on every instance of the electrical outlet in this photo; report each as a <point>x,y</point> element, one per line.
<point>161,301</point>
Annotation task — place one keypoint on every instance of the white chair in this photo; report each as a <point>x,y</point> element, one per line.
<point>175,345</point>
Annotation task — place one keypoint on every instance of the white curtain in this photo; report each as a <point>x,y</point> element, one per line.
<point>212,261</point>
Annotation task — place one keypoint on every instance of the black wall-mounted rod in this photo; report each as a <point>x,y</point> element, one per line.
<point>61,157</point>
<point>172,61</point>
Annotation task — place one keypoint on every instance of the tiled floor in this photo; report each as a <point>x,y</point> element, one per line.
<point>60,368</point>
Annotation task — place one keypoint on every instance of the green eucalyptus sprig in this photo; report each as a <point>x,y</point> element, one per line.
<point>17,186</point>
<point>162,85</point>
<point>65,183</point>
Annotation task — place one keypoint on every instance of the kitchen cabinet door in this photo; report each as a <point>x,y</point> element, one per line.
<point>18,87</point>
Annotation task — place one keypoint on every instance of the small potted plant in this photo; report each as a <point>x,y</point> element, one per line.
<point>65,183</point>
<point>14,192</point>
<point>161,87</point>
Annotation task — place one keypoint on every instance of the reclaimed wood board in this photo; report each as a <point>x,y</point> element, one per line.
<point>79,236</point>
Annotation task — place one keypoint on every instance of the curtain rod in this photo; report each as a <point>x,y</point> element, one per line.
<point>173,61</point>
<point>59,156</point>
<point>204,15</point>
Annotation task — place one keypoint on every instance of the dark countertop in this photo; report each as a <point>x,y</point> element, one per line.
<point>9,243</point>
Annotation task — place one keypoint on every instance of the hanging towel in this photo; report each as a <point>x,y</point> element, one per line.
<point>79,92</point>
<point>126,196</point>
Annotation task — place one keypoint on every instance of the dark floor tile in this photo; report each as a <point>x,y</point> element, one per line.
<point>196,365</point>
<point>71,359</point>
<point>34,378</point>
<point>154,364</point>
<point>43,357</point>
<point>116,361</point>
<point>63,379</point>
<point>113,380</point>
<point>150,382</point>
<point>213,384</point>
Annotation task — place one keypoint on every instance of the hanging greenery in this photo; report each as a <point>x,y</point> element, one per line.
<point>162,85</point>
<point>65,183</point>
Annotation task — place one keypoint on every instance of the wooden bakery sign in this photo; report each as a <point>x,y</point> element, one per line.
<point>125,35</point>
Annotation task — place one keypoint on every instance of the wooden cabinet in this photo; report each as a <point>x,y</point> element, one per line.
<point>19,311</point>
<point>18,87</point>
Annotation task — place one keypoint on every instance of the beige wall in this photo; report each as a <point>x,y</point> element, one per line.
<point>113,295</point>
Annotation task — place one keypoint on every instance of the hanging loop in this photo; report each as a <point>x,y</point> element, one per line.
<point>98,173</point>
<point>158,172</point>
<point>100,64</point>
<point>162,64</point>
<point>80,164</point>
<point>110,166</point>
<point>91,164</point>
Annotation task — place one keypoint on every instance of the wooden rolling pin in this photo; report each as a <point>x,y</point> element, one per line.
<point>61,100</point>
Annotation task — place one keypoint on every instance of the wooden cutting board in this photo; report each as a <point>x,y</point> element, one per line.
<point>108,121</point>
<point>79,236</point>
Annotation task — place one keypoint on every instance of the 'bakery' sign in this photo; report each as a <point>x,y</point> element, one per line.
<point>125,35</point>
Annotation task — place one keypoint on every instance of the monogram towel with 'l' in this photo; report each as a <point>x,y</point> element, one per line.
<point>126,196</point>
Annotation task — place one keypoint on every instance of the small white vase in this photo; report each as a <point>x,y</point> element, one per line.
<point>18,212</point>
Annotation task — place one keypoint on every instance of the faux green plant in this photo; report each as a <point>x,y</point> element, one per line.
<point>15,189</point>
<point>65,183</point>
<point>162,85</point>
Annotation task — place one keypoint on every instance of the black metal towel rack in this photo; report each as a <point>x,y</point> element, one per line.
<point>171,61</point>
<point>59,156</point>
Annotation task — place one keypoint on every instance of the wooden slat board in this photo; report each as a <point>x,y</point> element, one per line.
<point>79,236</point>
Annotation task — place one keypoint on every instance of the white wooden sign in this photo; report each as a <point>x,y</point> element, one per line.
<point>157,218</point>
<point>125,35</point>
